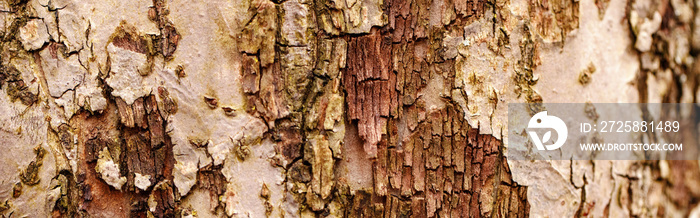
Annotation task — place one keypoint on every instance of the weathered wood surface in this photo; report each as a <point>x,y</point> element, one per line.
<point>328,108</point>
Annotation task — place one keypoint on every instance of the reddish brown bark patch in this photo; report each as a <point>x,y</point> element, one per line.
<point>126,37</point>
<point>166,43</point>
<point>455,171</point>
<point>370,92</point>
<point>210,178</point>
<point>96,132</point>
<point>135,137</point>
<point>429,162</point>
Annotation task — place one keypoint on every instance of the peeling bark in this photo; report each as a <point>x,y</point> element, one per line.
<point>326,108</point>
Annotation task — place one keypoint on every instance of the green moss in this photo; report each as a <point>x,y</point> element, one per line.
<point>30,175</point>
<point>242,151</point>
<point>16,88</point>
<point>524,78</point>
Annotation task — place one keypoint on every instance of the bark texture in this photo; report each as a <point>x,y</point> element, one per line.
<point>328,108</point>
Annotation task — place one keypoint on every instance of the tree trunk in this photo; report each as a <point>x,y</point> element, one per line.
<point>355,108</point>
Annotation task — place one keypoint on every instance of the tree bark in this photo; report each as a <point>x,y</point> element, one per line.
<point>328,108</point>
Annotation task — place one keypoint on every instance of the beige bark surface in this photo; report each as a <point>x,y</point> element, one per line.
<point>328,108</point>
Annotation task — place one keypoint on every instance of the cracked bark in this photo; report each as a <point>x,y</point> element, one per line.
<point>303,108</point>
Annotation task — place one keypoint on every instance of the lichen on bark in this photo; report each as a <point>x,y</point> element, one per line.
<point>315,108</point>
